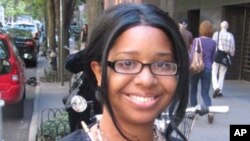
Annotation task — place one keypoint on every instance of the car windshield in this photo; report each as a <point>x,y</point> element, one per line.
<point>20,33</point>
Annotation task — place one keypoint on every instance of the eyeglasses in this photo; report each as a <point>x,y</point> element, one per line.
<point>135,67</point>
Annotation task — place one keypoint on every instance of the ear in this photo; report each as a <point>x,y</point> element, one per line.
<point>96,68</point>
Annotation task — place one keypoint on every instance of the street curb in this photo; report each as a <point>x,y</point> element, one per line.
<point>34,120</point>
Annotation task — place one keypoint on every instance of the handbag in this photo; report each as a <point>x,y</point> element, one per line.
<point>223,58</point>
<point>197,64</point>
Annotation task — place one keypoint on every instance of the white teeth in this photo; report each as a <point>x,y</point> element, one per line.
<point>142,99</point>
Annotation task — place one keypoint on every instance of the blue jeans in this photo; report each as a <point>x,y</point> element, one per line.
<point>205,77</point>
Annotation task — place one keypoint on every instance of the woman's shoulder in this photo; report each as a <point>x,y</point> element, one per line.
<point>208,40</point>
<point>78,135</point>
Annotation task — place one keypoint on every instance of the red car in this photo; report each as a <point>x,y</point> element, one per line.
<point>12,77</point>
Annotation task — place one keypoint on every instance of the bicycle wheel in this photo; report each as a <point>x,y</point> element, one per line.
<point>187,125</point>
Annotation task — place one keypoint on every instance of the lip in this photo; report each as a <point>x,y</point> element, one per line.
<point>142,101</point>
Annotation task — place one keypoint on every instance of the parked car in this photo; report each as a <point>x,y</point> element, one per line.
<point>12,77</point>
<point>25,44</point>
<point>3,29</point>
<point>32,28</point>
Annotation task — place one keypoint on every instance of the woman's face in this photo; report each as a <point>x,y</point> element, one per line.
<point>139,98</point>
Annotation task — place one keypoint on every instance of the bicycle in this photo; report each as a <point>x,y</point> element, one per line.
<point>189,119</point>
<point>79,104</point>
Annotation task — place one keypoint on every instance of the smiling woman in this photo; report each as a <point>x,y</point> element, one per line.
<point>139,63</point>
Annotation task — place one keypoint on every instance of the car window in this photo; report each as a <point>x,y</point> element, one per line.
<point>16,52</point>
<point>3,50</point>
<point>4,66</point>
<point>4,55</point>
<point>30,27</point>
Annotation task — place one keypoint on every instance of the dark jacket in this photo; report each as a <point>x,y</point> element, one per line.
<point>73,62</point>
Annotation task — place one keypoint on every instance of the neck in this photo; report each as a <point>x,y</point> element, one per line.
<point>133,132</point>
<point>99,135</point>
<point>223,29</point>
<point>182,28</point>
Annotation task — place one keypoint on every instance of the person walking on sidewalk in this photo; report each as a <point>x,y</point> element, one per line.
<point>208,46</point>
<point>140,64</point>
<point>225,42</point>
<point>186,34</point>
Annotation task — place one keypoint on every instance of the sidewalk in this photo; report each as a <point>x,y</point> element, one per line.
<point>236,94</point>
<point>47,95</point>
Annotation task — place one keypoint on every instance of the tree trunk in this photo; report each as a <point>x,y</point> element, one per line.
<point>51,30</point>
<point>53,26</point>
<point>95,7</point>
<point>69,7</point>
<point>57,30</point>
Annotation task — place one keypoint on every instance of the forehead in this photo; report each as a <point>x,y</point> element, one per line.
<point>142,40</point>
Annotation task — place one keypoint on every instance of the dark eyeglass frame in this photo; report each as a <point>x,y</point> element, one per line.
<point>111,64</point>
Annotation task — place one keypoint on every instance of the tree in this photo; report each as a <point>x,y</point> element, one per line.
<point>95,7</point>
<point>14,8</point>
<point>50,30</point>
<point>53,25</point>
<point>35,8</point>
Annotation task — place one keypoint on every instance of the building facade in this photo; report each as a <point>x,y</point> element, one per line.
<point>237,13</point>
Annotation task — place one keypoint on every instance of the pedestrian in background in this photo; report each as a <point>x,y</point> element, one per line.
<point>225,42</point>
<point>208,46</point>
<point>139,63</point>
<point>186,34</point>
<point>84,35</point>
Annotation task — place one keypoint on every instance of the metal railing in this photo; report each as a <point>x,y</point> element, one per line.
<point>54,125</point>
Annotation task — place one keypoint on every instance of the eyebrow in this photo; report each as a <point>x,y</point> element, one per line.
<point>137,53</point>
<point>164,54</point>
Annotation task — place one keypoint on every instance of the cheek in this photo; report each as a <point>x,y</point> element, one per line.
<point>169,86</point>
<point>117,82</point>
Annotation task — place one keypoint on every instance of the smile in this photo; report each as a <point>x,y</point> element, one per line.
<point>141,99</point>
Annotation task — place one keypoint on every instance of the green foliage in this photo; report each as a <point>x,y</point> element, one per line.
<point>11,8</point>
<point>14,8</point>
<point>36,8</point>
<point>54,128</point>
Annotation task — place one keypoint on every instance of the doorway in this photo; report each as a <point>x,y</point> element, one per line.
<point>194,21</point>
<point>238,17</point>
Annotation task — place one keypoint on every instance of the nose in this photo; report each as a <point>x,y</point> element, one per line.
<point>145,77</point>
